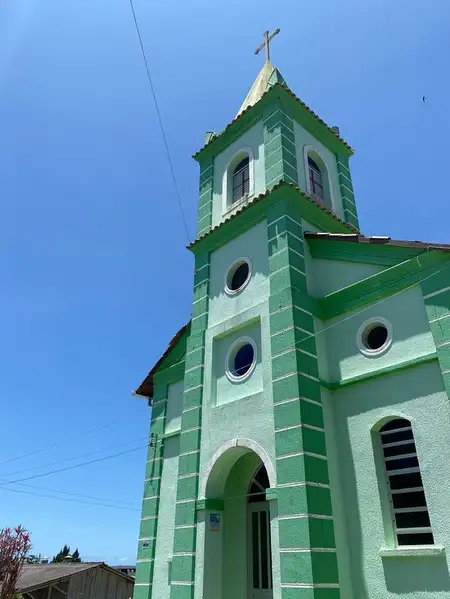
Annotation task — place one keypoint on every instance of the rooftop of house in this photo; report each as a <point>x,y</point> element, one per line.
<point>34,576</point>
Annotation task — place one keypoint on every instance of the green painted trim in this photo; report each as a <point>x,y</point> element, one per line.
<point>210,504</point>
<point>205,199</point>
<point>271,494</point>
<point>346,189</point>
<point>383,284</point>
<point>184,543</point>
<point>170,375</point>
<point>176,353</point>
<point>171,434</point>
<point>333,385</point>
<point>257,211</point>
<point>300,451</point>
<point>438,312</point>
<point>294,107</point>
<point>280,162</point>
<point>365,253</point>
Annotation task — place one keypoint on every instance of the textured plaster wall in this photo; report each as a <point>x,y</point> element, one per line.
<point>166,520</point>
<point>250,415</point>
<point>417,395</point>
<point>411,336</point>
<point>226,551</point>
<point>254,139</point>
<point>252,245</point>
<point>341,512</point>
<point>174,407</point>
<point>236,531</point>
<point>222,389</point>
<point>331,275</point>
<point>302,139</point>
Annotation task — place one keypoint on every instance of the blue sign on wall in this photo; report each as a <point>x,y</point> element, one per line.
<point>214,522</point>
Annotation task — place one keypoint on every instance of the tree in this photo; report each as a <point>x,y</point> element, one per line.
<point>64,556</point>
<point>14,546</point>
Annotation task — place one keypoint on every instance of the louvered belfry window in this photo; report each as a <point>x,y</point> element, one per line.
<point>411,518</point>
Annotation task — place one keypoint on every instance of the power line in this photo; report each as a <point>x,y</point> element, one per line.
<point>82,455</point>
<point>47,447</point>
<point>108,457</point>
<point>163,133</point>
<point>3,486</point>
<point>117,507</point>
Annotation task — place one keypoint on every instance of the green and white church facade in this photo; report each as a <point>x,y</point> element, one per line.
<point>300,422</point>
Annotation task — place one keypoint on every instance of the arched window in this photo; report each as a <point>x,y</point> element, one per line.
<point>315,180</point>
<point>241,180</point>
<point>407,496</point>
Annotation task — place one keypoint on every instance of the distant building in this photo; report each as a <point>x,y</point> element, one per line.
<point>127,570</point>
<point>72,581</point>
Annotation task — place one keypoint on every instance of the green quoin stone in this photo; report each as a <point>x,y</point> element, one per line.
<point>267,461</point>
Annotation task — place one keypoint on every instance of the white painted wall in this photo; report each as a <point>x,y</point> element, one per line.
<point>252,139</point>
<point>304,139</point>
<point>166,517</point>
<point>174,407</point>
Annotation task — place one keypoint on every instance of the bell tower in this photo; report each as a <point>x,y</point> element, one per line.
<point>237,501</point>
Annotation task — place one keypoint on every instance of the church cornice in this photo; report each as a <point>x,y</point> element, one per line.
<point>377,250</point>
<point>386,283</point>
<point>255,209</point>
<point>300,112</point>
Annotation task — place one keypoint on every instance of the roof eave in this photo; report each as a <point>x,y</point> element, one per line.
<point>146,388</point>
<point>275,88</point>
<point>378,240</point>
<point>261,197</point>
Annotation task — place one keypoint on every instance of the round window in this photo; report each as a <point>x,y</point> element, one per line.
<point>375,337</point>
<point>238,276</point>
<point>241,359</point>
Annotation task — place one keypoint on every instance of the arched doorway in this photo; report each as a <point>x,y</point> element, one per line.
<point>237,554</point>
<point>259,541</point>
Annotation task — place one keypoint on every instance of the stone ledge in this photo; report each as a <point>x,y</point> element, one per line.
<point>417,551</point>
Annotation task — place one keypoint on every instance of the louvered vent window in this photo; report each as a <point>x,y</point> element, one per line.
<point>411,519</point>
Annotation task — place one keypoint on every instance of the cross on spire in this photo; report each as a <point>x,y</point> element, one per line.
<point>267,39</point>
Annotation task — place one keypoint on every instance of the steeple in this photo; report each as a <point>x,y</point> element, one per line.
<point>267,76</point>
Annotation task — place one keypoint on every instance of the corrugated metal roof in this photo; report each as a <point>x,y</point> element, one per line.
<point>37,575</point>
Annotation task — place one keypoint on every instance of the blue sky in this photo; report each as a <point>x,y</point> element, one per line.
<point>95,277</point>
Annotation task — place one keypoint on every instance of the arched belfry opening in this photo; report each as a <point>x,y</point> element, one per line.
<point>237,528</point>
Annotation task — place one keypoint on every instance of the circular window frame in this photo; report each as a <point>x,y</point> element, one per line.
<point>231,354</point>
<point>231,272</point>
<point>363,331</point>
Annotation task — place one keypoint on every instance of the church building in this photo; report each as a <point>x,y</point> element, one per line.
<point>300,421</point>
